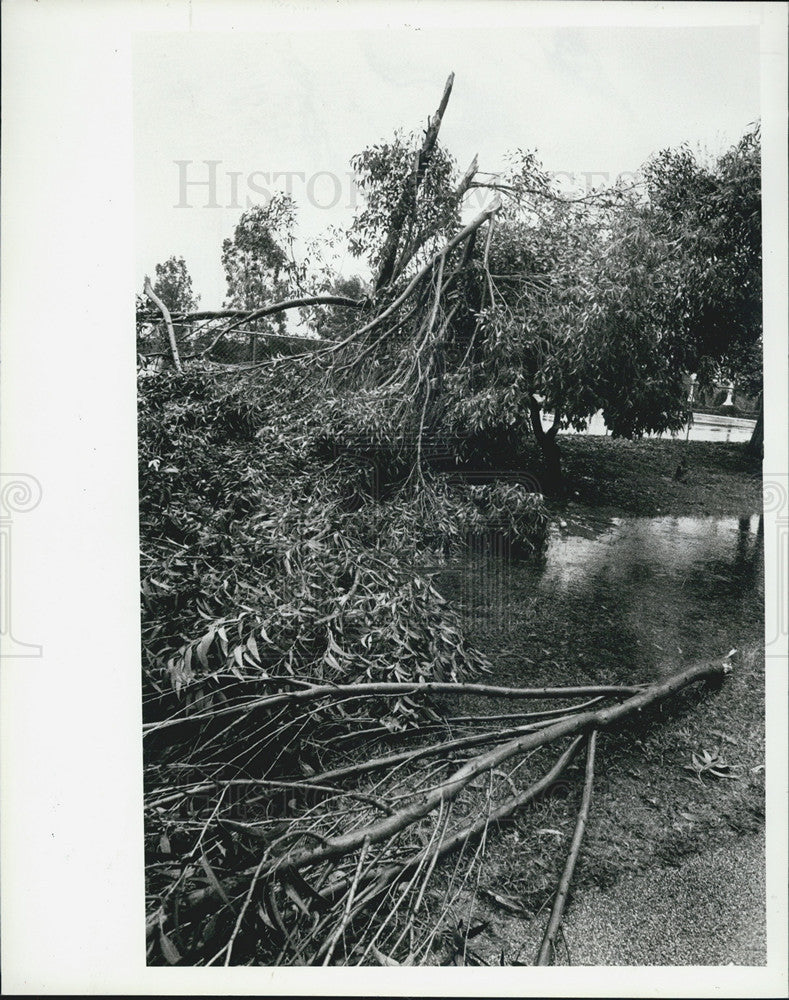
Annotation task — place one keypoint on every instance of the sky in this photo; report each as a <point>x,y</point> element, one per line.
<point>592,101</point>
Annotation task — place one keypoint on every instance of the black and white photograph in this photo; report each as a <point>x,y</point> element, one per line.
<point>440,454</point>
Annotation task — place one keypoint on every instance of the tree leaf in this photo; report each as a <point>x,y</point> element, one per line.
<point>171,954</point>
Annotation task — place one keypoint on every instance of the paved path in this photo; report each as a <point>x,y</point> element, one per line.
<point>710,910</point>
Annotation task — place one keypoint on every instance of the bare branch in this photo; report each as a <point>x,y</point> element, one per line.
<point>547,947</point>
<point>449,789</point>
<point>394,689</point>
<point>278,307</point>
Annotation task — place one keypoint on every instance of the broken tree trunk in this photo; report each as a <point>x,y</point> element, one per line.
<point>411,249</point>
<point>334,847</point>
<point>245,314</point>
<point>356,855</point>
<point>342,692</point>
<point>168,321</point>
<point>755,445</point>
<point>407,202</point>
<point>278,307</point>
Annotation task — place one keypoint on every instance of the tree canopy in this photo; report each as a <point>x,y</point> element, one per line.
<point>258,260</point>
<point>569,306</point>
<point>713,213</point>
<point>576,320</point>
<point>417,197</point>
<point>173,285</point>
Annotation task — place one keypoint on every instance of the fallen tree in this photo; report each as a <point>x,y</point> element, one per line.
<point>305,768</point>
<point>305,777</point>
<point>319,874</point>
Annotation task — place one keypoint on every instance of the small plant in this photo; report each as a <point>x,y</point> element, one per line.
<point>711,762</point>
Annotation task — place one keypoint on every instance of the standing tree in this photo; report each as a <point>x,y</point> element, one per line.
<point>574,321</point>
<point>544,306</point>
<point>258,267</point>
<point>713,213</point>
<point>173,285</point>
<point>608,302</point>
<point>540,307</point>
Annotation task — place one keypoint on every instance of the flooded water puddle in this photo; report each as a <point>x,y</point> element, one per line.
<point>632,598</point>
<point>651,551</point>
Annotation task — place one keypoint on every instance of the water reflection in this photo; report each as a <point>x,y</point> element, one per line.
<point>657,549</point>
<point>637,596</point>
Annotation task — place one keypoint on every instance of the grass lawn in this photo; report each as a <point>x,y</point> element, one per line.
<point>638,477</point>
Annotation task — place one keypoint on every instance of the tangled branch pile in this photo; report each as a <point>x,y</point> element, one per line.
<point>339,864</point>
<point>307,769</point>
<point>268,567</point>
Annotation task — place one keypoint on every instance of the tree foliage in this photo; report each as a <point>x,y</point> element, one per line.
<point>712,211</point>
<point>569,306</point>
<point>258,261</point>
<point>542,304</point>
<point>173,285</point>
<point>575,318</point>
<point>382,172</point>
<point>336,322</point>
<point>262,556</point>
